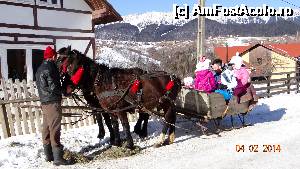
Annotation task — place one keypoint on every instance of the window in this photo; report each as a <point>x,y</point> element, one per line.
<point>48,2</point>
<point>37,59</point>
<point>16,59</point>
<point>259,61</point>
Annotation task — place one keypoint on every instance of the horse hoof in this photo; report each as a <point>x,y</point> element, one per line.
<point>100,136</point>
<point>129,146</point>
<point>157,145</point>
<point>143,133</point>
<point>117,143</point>
<point>137,131</point>
<point>111,140</point>
<point>142,136</point>
<point>160,144</point>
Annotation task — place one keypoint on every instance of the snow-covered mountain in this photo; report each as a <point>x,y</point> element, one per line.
<point>145,19</point>
<point>167,18</point>
<point>126,55</point>
<point>158,26</point>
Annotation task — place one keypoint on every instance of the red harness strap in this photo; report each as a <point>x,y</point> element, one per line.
<point>170,85</point>
<point>135,86</point>
<point>77,76</point>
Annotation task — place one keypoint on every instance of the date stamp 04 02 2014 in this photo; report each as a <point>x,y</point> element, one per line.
<point>267,148</point>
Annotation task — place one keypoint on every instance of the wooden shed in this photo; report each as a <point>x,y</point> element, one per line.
<point>265,58</point>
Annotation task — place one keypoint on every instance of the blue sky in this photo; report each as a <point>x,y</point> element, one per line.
<point>125,7</point>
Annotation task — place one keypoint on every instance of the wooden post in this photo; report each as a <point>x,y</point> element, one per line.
<point>29,110</point>
<point>201,32</point>
<point>297,80</point>
<point>71,103</point>
<point>288,83</point>
<point>227,60</point>
<point>36,111</point>
<point>67,119</point>
<point>14,108</point>
<point>20,95</point>
<point>4,122</point>
<point>268,85</point>
<point>5,85</point>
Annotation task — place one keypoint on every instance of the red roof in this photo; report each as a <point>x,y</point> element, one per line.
<point>289,49</point>
<point>220,52</point>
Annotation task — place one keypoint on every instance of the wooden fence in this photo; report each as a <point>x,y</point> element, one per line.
<point>270,87</point>
<point>20,111</point>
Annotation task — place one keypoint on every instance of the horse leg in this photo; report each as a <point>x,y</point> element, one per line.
<point>171,119</point>
<point>137,127</point>
<point>108,123</point>
<point>98,118</point>
<point>126,129</point>
<point>115,125</point>
<point>144,131</point>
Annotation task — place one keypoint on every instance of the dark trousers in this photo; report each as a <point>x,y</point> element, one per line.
<point>52,115</point>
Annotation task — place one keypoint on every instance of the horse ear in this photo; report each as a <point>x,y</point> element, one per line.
<point>69,48</point>
<point>62,50</point>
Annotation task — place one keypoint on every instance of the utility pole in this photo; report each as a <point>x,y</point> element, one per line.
<point>201,32</point>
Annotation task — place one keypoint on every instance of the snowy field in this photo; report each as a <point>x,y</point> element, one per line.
<point>276,121</point>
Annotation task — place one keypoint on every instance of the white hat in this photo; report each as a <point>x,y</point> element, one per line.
<point>203,65</point>
<point>237,61</point>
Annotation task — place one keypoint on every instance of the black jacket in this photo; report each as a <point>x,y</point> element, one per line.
<point>48,82</point>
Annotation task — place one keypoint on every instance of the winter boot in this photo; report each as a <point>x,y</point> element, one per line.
<point>58,157</point>
<point>48,152</point>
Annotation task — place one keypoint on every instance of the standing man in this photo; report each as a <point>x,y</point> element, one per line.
<point>50,93</point>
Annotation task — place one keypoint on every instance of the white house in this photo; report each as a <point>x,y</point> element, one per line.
<point>27,27</point>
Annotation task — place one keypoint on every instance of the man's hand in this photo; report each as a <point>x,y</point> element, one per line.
<point>69,89</point>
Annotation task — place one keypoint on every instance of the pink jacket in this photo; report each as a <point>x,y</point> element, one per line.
<point>205,81</point>
<point>243,78</point>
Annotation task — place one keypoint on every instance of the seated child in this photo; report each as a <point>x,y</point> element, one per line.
<point>228,83</point>
<point>204,80</point>
<point>242,76</point>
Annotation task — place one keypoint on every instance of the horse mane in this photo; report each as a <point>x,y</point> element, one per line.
<point>103,67</point>
<point>107,72</point>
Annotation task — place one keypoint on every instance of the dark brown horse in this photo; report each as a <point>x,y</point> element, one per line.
<point>88,91</point>
<point>123,90</point>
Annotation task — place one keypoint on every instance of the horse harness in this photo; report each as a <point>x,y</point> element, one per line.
<point>135,89</point>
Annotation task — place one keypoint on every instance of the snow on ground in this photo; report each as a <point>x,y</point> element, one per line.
<point>275,120</point>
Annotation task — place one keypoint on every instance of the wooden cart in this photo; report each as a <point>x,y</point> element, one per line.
<point>209,106</point>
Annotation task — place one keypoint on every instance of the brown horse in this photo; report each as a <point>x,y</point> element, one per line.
<point>123,90</point>
<point>88,91</point>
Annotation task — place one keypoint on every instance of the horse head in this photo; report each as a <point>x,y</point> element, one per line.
<point>76,69</point>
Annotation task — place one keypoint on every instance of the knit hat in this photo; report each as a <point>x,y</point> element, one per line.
<point>49,53</point>
<point>237,61</point>
<point>203,65</point>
